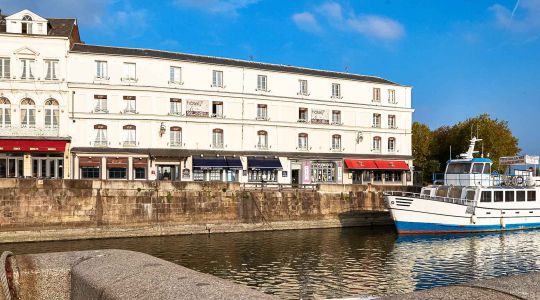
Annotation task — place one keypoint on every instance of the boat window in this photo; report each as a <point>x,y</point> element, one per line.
<point>426,192</point>
<point>477,168</point>
<point>442,191</point>
<point>455,192</point>
<point>458,168</point>
<point>498,196</point>
<point>531,195</point>
<point>485,196</point>
<point>520,196</point>
<point>487,168</point>
<point>470,195</point>
<point>509,196</point>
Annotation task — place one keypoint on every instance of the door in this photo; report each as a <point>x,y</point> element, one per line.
<point>295,176</point>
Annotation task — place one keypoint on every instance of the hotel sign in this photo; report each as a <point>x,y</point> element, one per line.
<point>197,108</point>
<point>519,160</point>
<point>319,116</point>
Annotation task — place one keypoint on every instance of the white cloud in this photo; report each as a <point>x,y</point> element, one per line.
<point>372,26</point>
<point>306,21</point>
<point>228,7</point>
<point>524,16</point>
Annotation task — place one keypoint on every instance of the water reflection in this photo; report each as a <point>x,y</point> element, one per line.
<point>332,263</point>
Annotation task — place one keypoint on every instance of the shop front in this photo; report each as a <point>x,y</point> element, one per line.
<point>263,169</point>
<point>364,171</point>
<point>216,168</point>
<point>32,158</point>
<point>322,171</point>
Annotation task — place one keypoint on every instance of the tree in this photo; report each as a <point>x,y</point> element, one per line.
<point>422,144</point>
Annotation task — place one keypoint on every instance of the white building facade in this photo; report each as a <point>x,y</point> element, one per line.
<point>137,114</point>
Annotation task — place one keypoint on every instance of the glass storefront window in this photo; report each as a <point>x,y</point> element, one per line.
<point>117,173</point>
<point>215,175</point>
<point>262,175</point>
<point>323,172</point>
<point>139,173</point>
<point>90,173</point>
<point>198,175</point>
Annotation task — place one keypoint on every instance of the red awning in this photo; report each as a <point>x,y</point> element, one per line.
<point>33,145</point>
<point>367,164</point>
<point>360,164</point>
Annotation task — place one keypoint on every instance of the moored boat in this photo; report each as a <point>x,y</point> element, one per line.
<point>470,198</point>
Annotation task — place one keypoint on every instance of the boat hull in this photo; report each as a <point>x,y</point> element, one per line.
<point>415,215</point>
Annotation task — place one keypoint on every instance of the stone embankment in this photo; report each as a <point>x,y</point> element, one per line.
<point>39,210</point>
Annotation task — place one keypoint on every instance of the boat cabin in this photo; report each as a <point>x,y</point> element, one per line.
<point>468,172</point>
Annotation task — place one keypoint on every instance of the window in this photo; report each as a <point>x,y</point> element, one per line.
<point>391,144</point>
<point>376,95</point>
<point>508,196</point>
<point>487,168</point>
<point>303,87</point>
<point>336,117</point>
<point>262,142</point>
<point>90,173</point>
<point>175,75</point>
<point>262,83</point>
<point>217,109</point>
<point>101,69</point>
<point>392,121</point>
<point>485,196</point>
<point>130,72</point>
<point>498,196</point>
<point>303,141</point>
<point>336,90</point>
<point>262,175</point>
<point>217,138</point>
<point>117,173</point>
<point>391,96</point>
<point>377,120</point>
<point>5,113</point>
<point>336,142</point>
<point>100,103</point>
<point>5,67</point>
<point>176,136</point>
<point>302,115</point>
<point>51,114</point>
<point>175,106</point>
<point>458,168</point>
<point>28,113</point>
<point>376,144</point>
<point>130,135</point>
<point>26,25</point>
<point>27,68</point>
<point>477,168</point>
<point>217,78</point>
<point>130,102</point>
<point>52,69</point>
<point>322,171</point>
<point>139,173</point>
<point>531,195</point>
<point>100,132</point>
<point>262,112</point>
<point>520,196</point>
<point>215,175</point>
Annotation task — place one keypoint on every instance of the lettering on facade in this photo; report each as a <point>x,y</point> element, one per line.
<point>197,108</point>
<point>319,116</point>
<point>185,173</point>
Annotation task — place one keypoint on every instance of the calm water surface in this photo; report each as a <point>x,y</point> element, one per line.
<point>332,263</point>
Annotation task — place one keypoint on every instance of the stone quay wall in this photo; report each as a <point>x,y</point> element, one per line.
<point>34,210</point>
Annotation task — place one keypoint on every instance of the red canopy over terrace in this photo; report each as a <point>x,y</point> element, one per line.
<point>10,145</point>
<point>369,164</point>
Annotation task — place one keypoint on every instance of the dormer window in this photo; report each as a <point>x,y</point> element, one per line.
<point>26,25</point>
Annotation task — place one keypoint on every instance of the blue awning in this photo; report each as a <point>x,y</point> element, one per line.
<point>210,163</point>
<point>264,164</point>
<point>234,163</point>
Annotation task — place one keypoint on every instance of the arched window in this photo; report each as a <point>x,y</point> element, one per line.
<point>5,113</point>
<point>377,120</point>
<point>101,135</point>
<point>391,144</point>
<point>51,114</point>
<point>26,25</point>
<point>217,138</point>
<point>176,136</point>
<point>28,113</point>
<point>376,144</point>
<point>262,141</point>
<point>336,142</point>
<point>302,141</point>
<point>130,135</point>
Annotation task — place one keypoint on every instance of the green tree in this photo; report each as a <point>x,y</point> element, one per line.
<point>422,144</point>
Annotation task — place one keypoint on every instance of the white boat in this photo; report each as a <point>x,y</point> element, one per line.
<point>470,199</point>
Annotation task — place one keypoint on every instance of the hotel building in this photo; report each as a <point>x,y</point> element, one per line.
<point>100,112</point>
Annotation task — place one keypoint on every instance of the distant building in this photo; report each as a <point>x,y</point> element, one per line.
<point>90,112</point>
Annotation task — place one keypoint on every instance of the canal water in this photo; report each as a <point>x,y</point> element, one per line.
<point>332,263</point>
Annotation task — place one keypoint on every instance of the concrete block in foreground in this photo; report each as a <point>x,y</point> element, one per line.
<point>115,275</point>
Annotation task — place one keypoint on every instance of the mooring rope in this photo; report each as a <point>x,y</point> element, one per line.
<point>3,275</point>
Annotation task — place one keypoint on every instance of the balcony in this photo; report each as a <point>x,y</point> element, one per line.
<point>217,146</point>
<point>101,143</point>
<point>29,131</point>
<point>176,144</point>
<point>261,147</point>
<point>130,143</point>
<point>336,149</point>
<point>262,118</point>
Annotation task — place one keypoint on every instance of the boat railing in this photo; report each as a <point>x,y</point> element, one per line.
<point>432,198</point>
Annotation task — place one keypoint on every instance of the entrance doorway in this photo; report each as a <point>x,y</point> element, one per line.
<point>48,167</point>
<point>168,172</point>
<point>295,176</point>
<point>11,167</point>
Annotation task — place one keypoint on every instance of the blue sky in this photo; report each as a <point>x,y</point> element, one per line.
<point>463,57</point>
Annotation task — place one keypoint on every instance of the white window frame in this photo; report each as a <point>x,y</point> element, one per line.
<point>391,144</point>
<point>27,68</point>
<point>336,90</point>
<point>303,87</point>
<point>5,68</point>
<point>392,121</point>
<point>51,69</point>
<point>262,112</point>
<point>30,110</point>
<point>217,138</point>
<point>262,83</point>
<point>101,137</point>
<point>392,96</point>
<point>336,142</point>
<point>131,106</point>
<point>175,75</point>
<point>376,95</point>
<point>262,140</point>
<point>52,116</point>
<point>336,121</point>
<point>175,138</point>
<point>303,141</point>
<point>102,70</point>
<point>130,72</point>
<point>376,146</point>
<point>217,78</point>
<point>175,107</point>
<point>376,120</point>
<point>130,137</point>
<point>5,114</point>
<point>219,109</point>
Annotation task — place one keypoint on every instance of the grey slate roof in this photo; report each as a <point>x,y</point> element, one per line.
<point>95,49</point>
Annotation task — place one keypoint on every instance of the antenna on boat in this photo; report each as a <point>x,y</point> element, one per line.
<point>450,152</point>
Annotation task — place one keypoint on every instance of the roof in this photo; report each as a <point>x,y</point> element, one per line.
<point>57,27</point>
<point>96,49</point>
<point>475,159</point>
